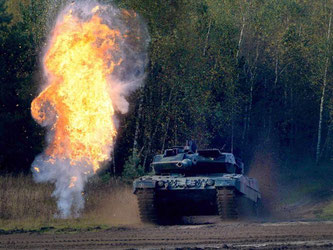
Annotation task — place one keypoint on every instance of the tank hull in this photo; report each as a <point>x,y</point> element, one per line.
<point>188,181</point>
<point>245,186</point>
<point>228,195</point>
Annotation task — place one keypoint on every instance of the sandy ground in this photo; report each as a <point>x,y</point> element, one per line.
<point>240,235</point>
<point>289,231</point>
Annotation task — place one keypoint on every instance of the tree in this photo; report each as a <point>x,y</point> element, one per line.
<point>322,98</point>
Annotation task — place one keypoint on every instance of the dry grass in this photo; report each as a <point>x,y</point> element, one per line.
<point>29,205</point>
<point>21,197</point>
<point>327,212</point>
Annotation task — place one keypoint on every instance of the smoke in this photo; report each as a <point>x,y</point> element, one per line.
<point>68,191</point>
<point>70,175</point>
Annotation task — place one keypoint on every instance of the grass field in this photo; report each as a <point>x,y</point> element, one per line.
<point>29,206</point>
<point>26,205</point>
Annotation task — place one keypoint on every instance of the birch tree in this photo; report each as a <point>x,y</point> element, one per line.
<point>324,85</point>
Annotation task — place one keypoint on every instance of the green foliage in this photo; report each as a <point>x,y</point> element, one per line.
<point>19,136</point>
<point>5,17</point>
<point>105,177</point>
<point>250,72</point>
<point>132,168</point>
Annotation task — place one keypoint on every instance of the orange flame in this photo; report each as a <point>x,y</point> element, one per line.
<point>73,181</point>
<point>76,104</point>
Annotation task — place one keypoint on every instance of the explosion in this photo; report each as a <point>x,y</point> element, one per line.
<point>95,57</point>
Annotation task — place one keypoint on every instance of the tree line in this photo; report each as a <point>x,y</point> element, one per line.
<point>237,75</point>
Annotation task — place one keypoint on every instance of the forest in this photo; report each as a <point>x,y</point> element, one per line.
<point>246,76</point>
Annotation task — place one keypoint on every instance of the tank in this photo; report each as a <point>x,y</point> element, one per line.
<point>191,182</point>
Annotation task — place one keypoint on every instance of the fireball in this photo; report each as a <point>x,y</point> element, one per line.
<point>95,57</point>
<point>76,104</point>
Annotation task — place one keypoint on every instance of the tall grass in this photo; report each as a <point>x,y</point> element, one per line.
<point>26,204</point>
<point>21,198</point>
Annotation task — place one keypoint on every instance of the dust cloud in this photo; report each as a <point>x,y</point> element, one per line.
<point>264,168</point>
<point>115,205</point>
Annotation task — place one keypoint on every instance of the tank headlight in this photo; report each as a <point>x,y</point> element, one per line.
<point>160,183</point>
<point>210,182</point>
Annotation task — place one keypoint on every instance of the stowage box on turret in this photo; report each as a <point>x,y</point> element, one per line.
<point>189,182</point>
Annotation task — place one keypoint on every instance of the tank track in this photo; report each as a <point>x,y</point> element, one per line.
<point>226,203</point>
<point>147,206</point>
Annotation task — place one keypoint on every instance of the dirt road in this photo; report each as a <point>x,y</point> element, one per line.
<point>238,235</point>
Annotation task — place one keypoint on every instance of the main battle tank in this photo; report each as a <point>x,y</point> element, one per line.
<point>190,182</point>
